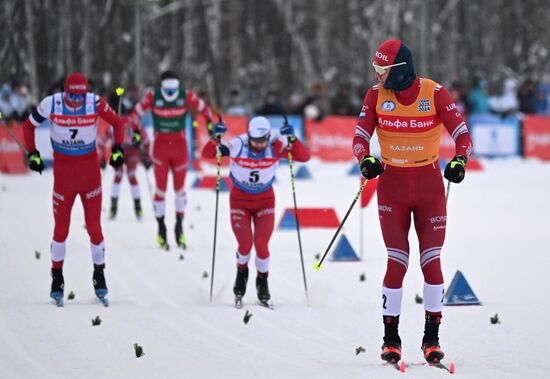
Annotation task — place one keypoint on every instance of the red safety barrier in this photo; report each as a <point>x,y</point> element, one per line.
<point>309,218</point>
<point>236,125</point>
<point>536,137</point>
<point>331,138</point>
<point>209,182</point>
<point>12,158</point>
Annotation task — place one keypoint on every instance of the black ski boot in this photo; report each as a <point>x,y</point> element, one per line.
<point>58,285</point>
<point>100,285</point>
<point>391,349</point>
<point>137,208</point>
<point>161,236</point>
<point>180,237</point>
<point>430,341</point>
<point>114,208</point>
<point>239,288</point>
<point>262,288</point>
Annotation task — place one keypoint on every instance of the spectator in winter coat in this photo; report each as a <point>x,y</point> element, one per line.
<point>540,100</point>
<point>478,99</point>
<point>272,105</point>
<point>526,96</point>
<point>507,103</point>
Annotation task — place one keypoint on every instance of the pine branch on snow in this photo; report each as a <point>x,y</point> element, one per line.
<point>37,254</point>
<point>418,299</point>
<point>71,295</point>
<point>205,275</point>
<point>247,317</point>
<point>96,321</point>
<point>359,350</point>
<point>362,277</point>
<point>495,319</point>
<point>138,350</point>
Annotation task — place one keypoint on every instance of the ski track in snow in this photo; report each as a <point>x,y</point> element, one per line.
<point>496,234</point>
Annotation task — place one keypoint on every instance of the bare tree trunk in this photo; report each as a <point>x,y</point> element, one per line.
<point>86,50</point>
<point>137,43</point>
<point>210,56</point>
<point>31,53</point>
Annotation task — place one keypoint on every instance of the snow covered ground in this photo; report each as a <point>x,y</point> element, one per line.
<point>497,235</point>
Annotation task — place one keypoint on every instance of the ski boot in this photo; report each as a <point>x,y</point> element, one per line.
<point>430,341</point>
<point>114,208</point>
<point>263,289</point>
<point>391,348</point>
<point>100,286</point>
<point>239,288</point>
<point>161,236</point>
<point>180,237</point>
<point>58,285</point>
<point>137,208</point>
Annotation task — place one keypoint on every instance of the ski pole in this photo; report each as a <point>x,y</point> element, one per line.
<point>317,265</point>
<point>296,209</point>
<point>119,91</point>
<point>447,193</point>
<point>13,136</point>
<point>218,179</point>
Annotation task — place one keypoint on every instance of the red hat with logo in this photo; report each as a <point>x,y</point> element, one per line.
<point>395,52</point>
<point>386,52</point>
<point>76,83</point>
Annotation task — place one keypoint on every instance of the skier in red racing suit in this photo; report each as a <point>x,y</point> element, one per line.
<point>73,116</point>
<point>409,114</point>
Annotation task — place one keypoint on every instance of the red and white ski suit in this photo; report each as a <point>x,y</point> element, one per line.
<point>409,125</point>
<point>76,170</point>
<point>252,199</point>
<point>169,151</point>
<point>132,157</point>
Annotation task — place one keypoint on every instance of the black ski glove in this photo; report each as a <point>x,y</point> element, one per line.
<point>35,162</point>
<point>371,167</point>
<point>454,171</point>
<point>117,156</point>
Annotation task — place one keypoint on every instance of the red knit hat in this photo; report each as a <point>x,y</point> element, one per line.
<point>76,83</point>
<point>387,51</point>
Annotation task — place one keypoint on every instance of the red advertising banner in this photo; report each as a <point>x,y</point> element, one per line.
<point>536,137</point>
<point>12,158</point>
<point>331,138</point>
<point>236,125</point>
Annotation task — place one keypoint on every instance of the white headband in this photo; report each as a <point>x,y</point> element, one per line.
<point>170,83</point>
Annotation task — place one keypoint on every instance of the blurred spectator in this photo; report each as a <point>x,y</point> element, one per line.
<point>478,99</point>
<point>236,105</point>
<point>526,96</point>
<point>316,105</point>
<point>507,103</point>
<point>271,106</point>
<point>459,97</point>
<point>341,102</point>
<point>13,102</point>
<point>540,101</point>
<point>6,106</point>
<point>295,103</point>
